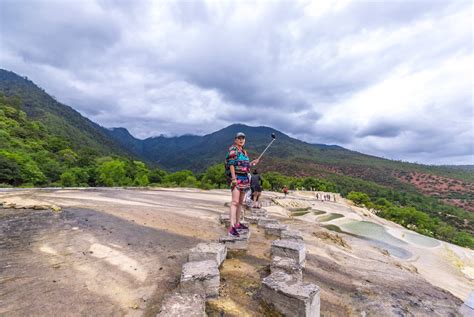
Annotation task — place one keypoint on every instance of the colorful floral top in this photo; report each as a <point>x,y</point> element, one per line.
<point>239,159</point>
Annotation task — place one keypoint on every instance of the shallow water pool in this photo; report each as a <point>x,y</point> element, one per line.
<point>378,236</point>
<point>421,240</point>
<point>329,217</point>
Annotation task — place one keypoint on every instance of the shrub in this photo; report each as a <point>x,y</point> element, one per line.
<point>360,199</point>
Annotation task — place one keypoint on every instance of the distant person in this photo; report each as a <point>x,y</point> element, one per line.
<point>237,165</point>
<point>317,196</point>
<point>285,190</point>
<point>256,184</point>
<point>334,196</point>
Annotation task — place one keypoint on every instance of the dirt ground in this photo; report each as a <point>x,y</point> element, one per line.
<point>119,251</point>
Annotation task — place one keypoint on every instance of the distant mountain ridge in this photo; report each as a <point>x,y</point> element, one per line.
<point>173,153</point>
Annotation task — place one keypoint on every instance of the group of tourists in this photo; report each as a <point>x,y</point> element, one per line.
<point>325,197</point>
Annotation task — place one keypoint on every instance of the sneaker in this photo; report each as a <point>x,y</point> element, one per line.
<point>233,232</point>
<point>240,226</point>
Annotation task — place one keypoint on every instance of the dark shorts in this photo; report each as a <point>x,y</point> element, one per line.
<point>256,188</point>
<point>243,182</point>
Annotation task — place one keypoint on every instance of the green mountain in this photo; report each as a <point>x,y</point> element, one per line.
<point>59,119</point>
<point>46,143</point>
<point>289,156</point>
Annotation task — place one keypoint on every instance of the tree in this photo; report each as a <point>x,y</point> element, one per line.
<point>9,171</point>
<point>190,181</point>
<point>276,180</point>
<point>156,175</point>
<point>178,177</point>
<point>215,175</point>
<point>141,174</point>
<point>75,176</point>
<point>112,173</point>
<point>360,199</point>
<point>68,156</point>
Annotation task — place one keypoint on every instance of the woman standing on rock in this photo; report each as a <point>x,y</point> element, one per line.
<point>238,168</point>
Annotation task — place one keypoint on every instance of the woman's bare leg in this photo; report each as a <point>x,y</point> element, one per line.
<point>234,207</point>
<point>239,208</point>
<point>255,198</point>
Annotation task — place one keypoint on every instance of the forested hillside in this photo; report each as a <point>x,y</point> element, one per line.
<point>58,119</point>
<point>31,155</point>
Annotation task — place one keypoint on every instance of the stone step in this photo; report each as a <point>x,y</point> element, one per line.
<point>227,223</point>
<point>289,234</point>
<point>288,266</point>
<point>289,296</point>
<point>258,214</point>
<point>245,234</point>
<point>290,249</point>
<point>265,221</point>
<point>200,277</point>
<point>178,304</point>
<point>251,219</point>
<point>274,229</point>
<point>257,209</point>
<point>245,223</point>
<point>208,251</point>
<point>223,218</point>
<point>236,243</point>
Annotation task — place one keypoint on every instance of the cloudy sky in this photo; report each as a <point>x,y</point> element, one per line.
<point>389,78</point>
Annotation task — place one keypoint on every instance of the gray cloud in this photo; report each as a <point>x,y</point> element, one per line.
<point>386,78</point>
<point>381,129</point>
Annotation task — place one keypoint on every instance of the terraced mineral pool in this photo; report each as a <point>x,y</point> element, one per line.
<point>318,212</point>
<point>378,236</point>
<point>329,217</point>
<point>421,240</point>
<point>299,213</point>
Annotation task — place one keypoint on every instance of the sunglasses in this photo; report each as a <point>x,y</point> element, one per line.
<point>241,138</point>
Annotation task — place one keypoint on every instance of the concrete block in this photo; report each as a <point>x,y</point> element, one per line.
<point>290,249</point>
<point>288,266</point>
<point>235,243</point>
<point>292,235</point>
<point>291,297</point>
<point>245,223</point>
<point>224,218</point>
<point>208,251</point>
<point>200,277</point>
<point>258,213</point>
<point>178,304</point>
<point>244,234</point>
<point>252,219</point>
<point>258,210</point>
<point>274,229</point>
<point>262,222</point>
